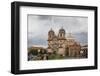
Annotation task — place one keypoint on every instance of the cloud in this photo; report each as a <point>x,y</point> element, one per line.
<point>39,25</point>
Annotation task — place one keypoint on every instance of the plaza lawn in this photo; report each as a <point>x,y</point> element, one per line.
<point>55,56</point>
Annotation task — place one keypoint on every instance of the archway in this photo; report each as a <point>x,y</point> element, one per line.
<point>67,51</point>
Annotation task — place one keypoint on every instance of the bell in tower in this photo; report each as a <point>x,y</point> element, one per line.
<point>51,34</point>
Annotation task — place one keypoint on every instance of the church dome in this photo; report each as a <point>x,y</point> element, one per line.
<point>62,30</point>
<point>51,31</point>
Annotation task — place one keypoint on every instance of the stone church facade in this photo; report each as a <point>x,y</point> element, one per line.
<point>62,44</point>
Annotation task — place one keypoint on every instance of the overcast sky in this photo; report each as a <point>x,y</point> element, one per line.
<point>39,25</point>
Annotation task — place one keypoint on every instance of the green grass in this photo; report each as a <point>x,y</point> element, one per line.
<point>55,56</point>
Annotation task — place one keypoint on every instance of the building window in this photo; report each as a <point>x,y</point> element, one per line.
<point>60,35</point>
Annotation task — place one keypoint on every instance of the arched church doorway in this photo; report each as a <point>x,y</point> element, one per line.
<point>67,51</point>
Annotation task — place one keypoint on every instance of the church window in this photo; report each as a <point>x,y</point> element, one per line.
<point>50,36</point>
<point>60,35</point>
